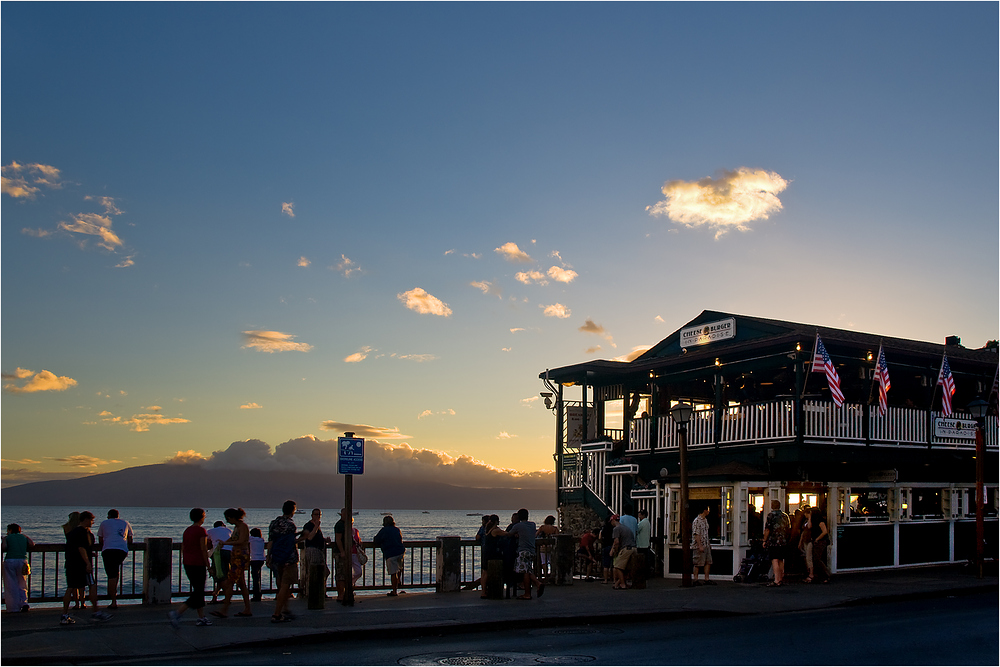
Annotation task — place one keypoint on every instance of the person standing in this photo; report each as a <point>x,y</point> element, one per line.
<point>114,536</point>
<point>701,540</point>
<point>314,551</point>
<point>820,541</point>
<point>776,540</point>
<point>546,530</point>
<point>256,561</point>
<point>196,561</point>
<point>220,555</point>
<point>525,565</point>
<point>15,562</point>
<point>238,562</point>
<point>607,542</point>
<point>622,551</point>
<point>390,540</point>
<point>348,562</point>
<point>283,559</point>
<point>643,531</point>
<point>80,569</point>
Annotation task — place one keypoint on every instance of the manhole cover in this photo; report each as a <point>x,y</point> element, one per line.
<point>477,660</point>
<point>494,658</point>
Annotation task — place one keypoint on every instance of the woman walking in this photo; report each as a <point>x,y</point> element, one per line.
<point>238,563</point>
<point>15,565</point>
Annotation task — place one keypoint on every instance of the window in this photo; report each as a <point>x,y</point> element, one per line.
<point>926,503</point>
<point>869,505</point>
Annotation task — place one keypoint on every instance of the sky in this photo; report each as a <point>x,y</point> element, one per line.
<point>236,229</point>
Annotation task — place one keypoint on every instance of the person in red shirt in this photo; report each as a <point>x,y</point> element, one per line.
<point>586,551</point>
<point>194,557</point>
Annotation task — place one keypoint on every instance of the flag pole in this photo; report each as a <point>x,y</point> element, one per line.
<point>805,383</point>
<point>936,382</point>
<point>871,387</point>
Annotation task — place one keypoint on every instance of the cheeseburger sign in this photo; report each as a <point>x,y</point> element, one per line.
<point>703,334</point>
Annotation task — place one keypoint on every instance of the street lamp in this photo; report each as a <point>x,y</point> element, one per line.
<point>681,414</point>
<point>978,409</point>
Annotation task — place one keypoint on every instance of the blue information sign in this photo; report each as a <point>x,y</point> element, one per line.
<point>351,456</point>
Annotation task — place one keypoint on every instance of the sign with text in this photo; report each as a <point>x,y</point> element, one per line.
<point>703,334</point>
<point>351,456</point>
<point>955,428</point>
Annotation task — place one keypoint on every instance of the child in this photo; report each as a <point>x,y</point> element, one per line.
<point>256,560</point>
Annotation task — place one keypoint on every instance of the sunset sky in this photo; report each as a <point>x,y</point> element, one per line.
<point>262,222</point>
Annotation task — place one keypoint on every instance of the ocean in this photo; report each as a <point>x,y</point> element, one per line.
<point>43,524</point>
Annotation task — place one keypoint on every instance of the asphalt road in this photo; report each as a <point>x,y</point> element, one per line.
<point>948,631</point>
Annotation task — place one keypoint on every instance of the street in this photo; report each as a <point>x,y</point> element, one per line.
<point>953,631</point>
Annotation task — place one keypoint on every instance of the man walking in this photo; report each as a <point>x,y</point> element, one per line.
<point>283,559</point>
<point>622,551</point>
<point>701,540</point>
<point>525,565</point>
<point>115,539</point>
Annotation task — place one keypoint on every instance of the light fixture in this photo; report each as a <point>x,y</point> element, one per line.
<point>717,362</point>
<point>978,408</point>
<point>547,396</point>
<point>663,472</point>
<point>870,356</point>
<point>798,347</point>
<point>681,413</point>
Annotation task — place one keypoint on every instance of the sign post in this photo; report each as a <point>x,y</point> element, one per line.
<point>350,462</point>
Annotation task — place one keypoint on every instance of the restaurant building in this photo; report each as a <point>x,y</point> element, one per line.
<point>897,484</point>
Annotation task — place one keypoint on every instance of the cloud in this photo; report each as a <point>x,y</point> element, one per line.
<point>346,266</point>
<point>590,327</point>
<point>125,263</point>
<point>40,381</point>
<point>303,262</point>
<point>15,476</point>
<point>556,310</point>
<point>634,354</point>
<point>273,341</point>
<point>92,224</point>
<point>251,406</point>
<point>528,402</point>
<point>140,423</point>
<point>109,204</point>
<point>419,358</point>
<point>358,356</point>
<point>504,435</point>
<point>288,208</point>
<point>506,349</point>
<point>364,430</point>
<point>658,318</point>
<point>487,287</point>
<point>516,329</point>
<point>382,460</point>
<point>513,254</point>
<point>528,277</point>
<point>26,180</point>
<point>594,349</point>
<point>729,201</point>
<point>426,304</point>
<point>80,461</point>
<point>562,275</point>
<point>430,413</point>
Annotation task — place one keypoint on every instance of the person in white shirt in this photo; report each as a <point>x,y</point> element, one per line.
<point>115,539</point>
<point>220,555</point>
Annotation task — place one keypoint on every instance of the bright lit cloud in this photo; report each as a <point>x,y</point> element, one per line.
<point>517,329</point>
<point>528,277</point>
<point>303,262</point>
<point>729,201</point>
<point>591,327</point>
<point>504,435</point>
<point>140,423</point>
<point>358,356</point>
<point>530,401</point>
<point>26,180</point>
<point>658,318</point>
<point>40,381</point>
<point>109,204</point>
<point>562,275</point>
<point>288,208</point>
<point>273,341</point>
<point>346,266</point>
<point>486,287</point>
<point>512,253</point>
<point>418,358</point>
<point>594,349</point>
<point>251,406</point>
<point>556,310</point>
<point>364,430</point>
<point>417,299</point>
<point>125,263</point>
<point>92,224</point>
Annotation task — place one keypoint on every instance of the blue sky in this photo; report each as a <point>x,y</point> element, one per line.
<point>242,222</point>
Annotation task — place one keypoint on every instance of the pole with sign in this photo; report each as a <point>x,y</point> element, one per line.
<point>350,462</point>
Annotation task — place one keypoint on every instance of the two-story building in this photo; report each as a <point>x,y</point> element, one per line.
<point>898,488</point>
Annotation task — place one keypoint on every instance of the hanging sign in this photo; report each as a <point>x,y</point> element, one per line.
<point>351,456</point>
<point>703,334</point>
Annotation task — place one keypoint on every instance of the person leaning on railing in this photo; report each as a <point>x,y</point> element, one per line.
<point>15,568</point>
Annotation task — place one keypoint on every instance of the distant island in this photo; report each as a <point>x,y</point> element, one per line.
<point>168,485</point>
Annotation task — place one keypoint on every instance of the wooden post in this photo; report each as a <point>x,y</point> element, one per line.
<point>449,564</point>
<point>157,567</point>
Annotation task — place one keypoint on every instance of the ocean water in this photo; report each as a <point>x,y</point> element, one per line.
<point>43,524</point>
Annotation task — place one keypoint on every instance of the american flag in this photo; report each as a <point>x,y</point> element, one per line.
<point>882,371</point>
<point>947,383</point>
<point>821,363</point>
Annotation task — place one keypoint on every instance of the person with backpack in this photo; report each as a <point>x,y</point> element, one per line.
<point>776,530</point>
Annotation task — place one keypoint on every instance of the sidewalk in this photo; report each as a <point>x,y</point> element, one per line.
<point>137,631</point>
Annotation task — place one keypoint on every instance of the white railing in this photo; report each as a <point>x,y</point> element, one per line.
<point>700,430</point>
<point>572,470</point>
<point>824,420</point>
<point>639,435</point>
<point>596,480</point>
<point>899,426</point>
<point>774,420</point>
